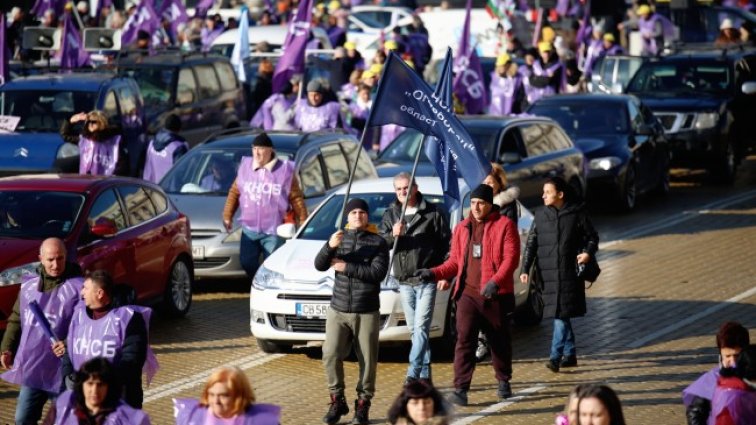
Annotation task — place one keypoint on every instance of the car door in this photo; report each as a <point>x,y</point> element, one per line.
<point>542,160</point>
<point>643,147</point>
<point>335,164</point>
<point>188,107</point>
<point>210,101</point>
<point>312,178</point>
<point>744,106</point>
<point>513,157</point>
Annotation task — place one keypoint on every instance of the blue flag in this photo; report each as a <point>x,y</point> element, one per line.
<point>241,47</point>
<point>403,98</point>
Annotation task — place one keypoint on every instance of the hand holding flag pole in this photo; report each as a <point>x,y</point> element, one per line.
<point>42,320</point>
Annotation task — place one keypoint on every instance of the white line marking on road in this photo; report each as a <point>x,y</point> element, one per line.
<point>498,406</point>
<point>691,319</point>
<point>179,385</point>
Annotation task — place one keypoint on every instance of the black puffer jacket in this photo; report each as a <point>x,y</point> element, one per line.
<point>556,238</point>
<point>357,289</point>
<point>425,242</point>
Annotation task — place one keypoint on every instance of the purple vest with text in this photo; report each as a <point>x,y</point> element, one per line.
<point>534,93</point>
<point>740,404</point>
<point>189,412</point>
<point>276,113</point>
<point>89,338</point>
<point>264,194</point>
<point>314,118</point>
<point>158,163</point>
<point>653,45</point>
<point>65,413</point>
<point>503,93</point>
<point>595,51</point>
<point>35,365</point>
<point>98,158</point>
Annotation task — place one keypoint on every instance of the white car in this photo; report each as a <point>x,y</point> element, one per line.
<point>289,298</point>
<point>274,35</point>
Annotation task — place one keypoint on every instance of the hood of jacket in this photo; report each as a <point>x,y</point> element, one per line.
<point>164,137</point>
<point>507,196</point>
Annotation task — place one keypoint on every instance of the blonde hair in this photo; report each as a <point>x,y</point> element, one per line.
<point>98,117</point>
<point>498,173</point>
<point>238,385</point>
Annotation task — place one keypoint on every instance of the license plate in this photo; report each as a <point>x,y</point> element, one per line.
<point>312,310</point>
<point>198,252</point>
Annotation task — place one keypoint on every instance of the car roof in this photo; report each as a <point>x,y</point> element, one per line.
<point>170,58</point>
<point>63,182</point>
<point>585,97</point>
<point>500,120</point>
<point>76,81</point>
<point>283,140</point>
<point>705,51</point>
<point>425,185</point>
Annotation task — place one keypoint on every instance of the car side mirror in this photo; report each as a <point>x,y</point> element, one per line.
<point>510,158</point>
<point>749,87</point>
<point>286,230</point>
<point>104,228</point>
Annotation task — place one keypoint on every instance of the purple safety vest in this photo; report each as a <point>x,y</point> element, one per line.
<point>65,413</point>
<point>98,158</point>
<point>189,412</point>
<point>653,45</point>
<point>740,404</point>
<point>158,163</point>
<point>595,51</point>
<point>314,118</point>
<point>503,91</point>
<point>535,93</point>
<point>276,113</point>
<point>35,364</point>
<point>702,387</point>
<point>89,338</point>
<point>264,194</point>
<point>389,132</point>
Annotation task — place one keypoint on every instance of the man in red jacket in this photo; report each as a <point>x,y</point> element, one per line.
<point>485,251</point>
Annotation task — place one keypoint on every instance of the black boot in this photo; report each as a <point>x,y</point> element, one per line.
<point>361,412</point>
<point>337,409</point>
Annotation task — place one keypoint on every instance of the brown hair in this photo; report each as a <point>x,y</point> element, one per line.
<point>732,335</point>
<point>238,385</point>
<point>498,173</point>
<point>98,117</point>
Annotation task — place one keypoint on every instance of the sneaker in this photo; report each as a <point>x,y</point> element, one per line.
<point>336,410</point>
<point>481,353</point>
<point>505,390</point>
<point>361,411</point>
<point>570,361</point>
<point>458,397</point>
<point>553,365</point>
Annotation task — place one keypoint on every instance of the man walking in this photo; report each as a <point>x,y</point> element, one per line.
<point>360,260</point>
<point>267,188</point>
<point>485,251</point>
<point>423,235</point>
<point>34,362</point>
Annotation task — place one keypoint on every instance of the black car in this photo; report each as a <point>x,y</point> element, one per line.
<point>202,89</point>
<point>623,142</point>
<point>705,101</point>
<point>531,149</point>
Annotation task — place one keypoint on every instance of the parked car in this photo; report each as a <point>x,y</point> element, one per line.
<point>323,160</point>
<point>623,142</point>
<point>530,149</point>
<point>274,35</point>
<point>611,74</point>
<point>43,101</point>
<point>705,101</point>
<point>126,226</point>
<point>202,89</point>
<point>289,298</point>
<point>702,26</point>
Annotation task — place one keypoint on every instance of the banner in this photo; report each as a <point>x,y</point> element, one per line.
<point>292,60</point>
<point>241,47</point>
<point>72,53</point>
<point>145,18</point>
<point>469,85</point>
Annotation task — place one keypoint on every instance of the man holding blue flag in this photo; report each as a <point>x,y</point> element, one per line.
<point>26,350</point>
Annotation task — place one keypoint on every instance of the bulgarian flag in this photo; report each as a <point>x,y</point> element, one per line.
<point>500,9</point>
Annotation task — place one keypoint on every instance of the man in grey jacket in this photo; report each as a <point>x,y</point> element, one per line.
<point>360,259</point>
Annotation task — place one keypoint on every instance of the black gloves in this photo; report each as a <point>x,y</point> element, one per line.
<point>424,275</point>
<point>489,290</point>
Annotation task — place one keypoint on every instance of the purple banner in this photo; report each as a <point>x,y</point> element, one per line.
<point>175,12</point>
<point>469,85</point>
<point>293,59</point>
<point>200,10</point>
<point>72,53</point>
<point>145,18</point>
<point>42,6</point>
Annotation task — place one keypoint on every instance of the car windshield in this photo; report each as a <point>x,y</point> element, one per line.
<point>22,217</point>
<point>683,77</point>
<point>405,146</point>
<point>324,222</point>
<point>44,110</point>
<point>209,171</point>
<point>584,118</point>
<point>155,84</point>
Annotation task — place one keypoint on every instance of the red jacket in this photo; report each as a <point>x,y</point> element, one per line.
<point>501,254</point>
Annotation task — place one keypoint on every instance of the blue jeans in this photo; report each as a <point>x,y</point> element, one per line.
<point>563,342</point>
<point>417,302</point>
<point>252,243</point>
<point>30,403</point>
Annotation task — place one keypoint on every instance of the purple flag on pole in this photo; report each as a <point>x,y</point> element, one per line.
<point>102,4</point>
<point>4,52</point>
<point>72,53</point>
<point>200,10</point>
<point>293,59</point>
<point>469,86</point>
<point>42,321</point>
<point>145,18</point>
<point>175,12</point>
<point>42,6</point>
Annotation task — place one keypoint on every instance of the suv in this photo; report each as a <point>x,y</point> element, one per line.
<point>43,101</point>
<point>704,99</point>
<point>202,89</point>
<point>611,74</point>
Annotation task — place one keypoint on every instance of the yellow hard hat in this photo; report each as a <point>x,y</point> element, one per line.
<point>544,46</point>
<point>644,9</point>
<point>502,59</point>
<point>609,37</point>
<point>349,45</point>
<point>334,5</point>
<point>368,74</point>
<point>548,34</point>
<point>390,45</point>
<point>375,68</point>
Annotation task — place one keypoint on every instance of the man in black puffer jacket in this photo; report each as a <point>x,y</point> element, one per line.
<point>360,259</point>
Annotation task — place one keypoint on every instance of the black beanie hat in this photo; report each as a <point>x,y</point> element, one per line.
<point>355,203</point>
<point>483,192</point>
<point>263,141</point>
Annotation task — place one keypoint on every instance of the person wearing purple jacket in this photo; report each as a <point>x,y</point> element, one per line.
<point>100,147</point>
<point>655,30</point>
<point>164,150</point>
<point>26,350</point>
<point>507,90</point>
<point>277,111</point>
<point>213,28</point>
<point>316,114</point>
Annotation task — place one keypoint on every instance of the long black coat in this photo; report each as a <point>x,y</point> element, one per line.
<point>556,237</point>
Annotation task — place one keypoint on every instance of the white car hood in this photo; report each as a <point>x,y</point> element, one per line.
<point>296,261</point>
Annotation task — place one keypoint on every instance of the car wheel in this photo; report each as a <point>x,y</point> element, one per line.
<point>531,313</point>
<point>629,191</point>
<point>270,347</point>
<point>178,292</point>
<point>725,168</point>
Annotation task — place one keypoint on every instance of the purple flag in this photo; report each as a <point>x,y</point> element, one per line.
<point>42,321</point>
<point>469,86</point>
<point>145,18</point>
<point>42,6</point>
<point>72,53</point>
<point>4,52</point>
<point>293,59</point>
<point>102,4</point>
<point>175,12</point>
<point>200,10</point>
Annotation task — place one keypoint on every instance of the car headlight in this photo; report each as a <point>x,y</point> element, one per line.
<point>67,150</point>
<point>266,279</point>
<point>234,236</point>
<point>390,284</point>
<point>14,275</point>
<point>706,120</point>
<point>605,163</point>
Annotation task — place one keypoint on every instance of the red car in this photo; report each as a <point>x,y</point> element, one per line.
<point>126,226</point>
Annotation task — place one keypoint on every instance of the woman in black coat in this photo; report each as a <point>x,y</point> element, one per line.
<point>561,237</point>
